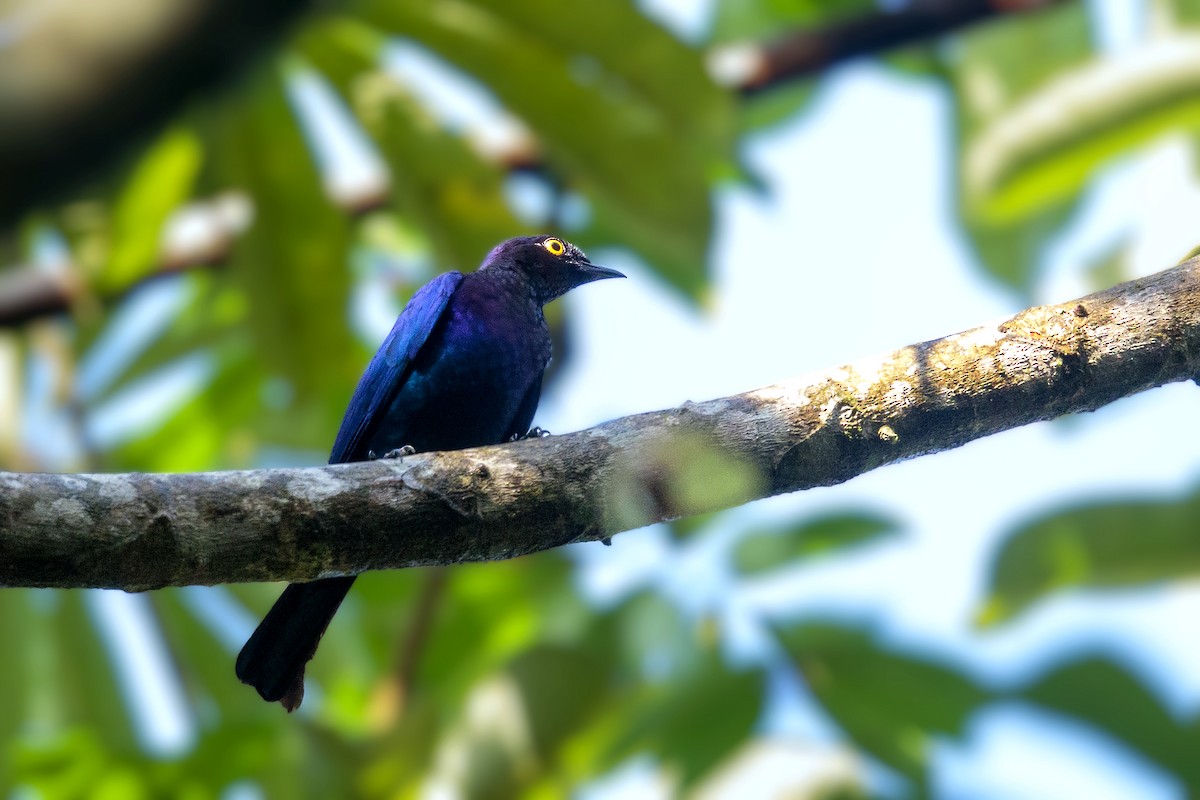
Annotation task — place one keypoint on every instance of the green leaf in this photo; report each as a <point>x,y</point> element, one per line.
<point>209,319</point>
<point>444,189</point>
<point>87,682</point>
<point>160,183</point>
<point>764,20</point>
<point>1012,252</point>
<point>287,757</point>
<point>549,678</point>
<point>678,474</point>
<point>673,695</point>
<point>441,186</point>
<point>20,685</point>
<point>991,74</point>
<point>1105,545</point>
<point>1184,13</point>
<point>892,705</point>
<point>204,663</point>
<point>204,432</point>
<point>648,629</point>
<point>639,61</point>
<point>760,551</point>
<point>292,264</point>
<point>66,766</point>
<point>70,719</point>
<point>274,321</point>
<point>778,105</point>
<point>489,613</point>
<point>1011,175</point>
<point>643,161</point>
<point>694,719</point>
<point>993,70</point>
<point>1112,266</point>
<point>1102,693</point>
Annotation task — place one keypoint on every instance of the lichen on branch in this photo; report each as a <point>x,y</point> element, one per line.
<point>139,531</point>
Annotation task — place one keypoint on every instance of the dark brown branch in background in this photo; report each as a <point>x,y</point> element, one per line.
<point>424,611</point>
<point>137,531</point>
<point>77,92</point>
<point>753,68</point>
<point>81,84</point>
<point>27,293</point>
<point>393,695</point>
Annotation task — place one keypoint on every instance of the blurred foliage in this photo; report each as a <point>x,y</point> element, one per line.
<point>736,21</point>
<point>993,76</point>
<point>614,97</point>
<point>1100,546</point>
<point>760,551</point>
<point>681,473</point>
<point>1104,694</point>
<point>892,706</point>
<point>161,181</point>
<point>896,705</point>
<point>498,680</point>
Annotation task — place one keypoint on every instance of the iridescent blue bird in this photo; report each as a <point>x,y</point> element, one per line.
<point>462,367</point>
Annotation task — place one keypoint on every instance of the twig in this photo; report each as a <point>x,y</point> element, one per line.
<point>751,68</point>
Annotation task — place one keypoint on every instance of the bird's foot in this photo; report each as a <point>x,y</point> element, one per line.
<point>399,452</point>
<point>534,433</point>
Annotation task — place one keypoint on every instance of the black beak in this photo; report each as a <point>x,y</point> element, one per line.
<point>593,272</point>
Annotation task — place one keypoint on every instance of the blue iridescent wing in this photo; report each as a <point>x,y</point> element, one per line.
<point>389,368</point>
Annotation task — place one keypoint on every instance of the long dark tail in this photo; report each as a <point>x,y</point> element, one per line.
<point>273,659</point>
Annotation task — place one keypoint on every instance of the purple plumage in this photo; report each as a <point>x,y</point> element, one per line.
<point>462,367</point>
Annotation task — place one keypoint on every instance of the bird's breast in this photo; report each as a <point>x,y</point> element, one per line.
<point>494,339</point>
<point>467,383</point>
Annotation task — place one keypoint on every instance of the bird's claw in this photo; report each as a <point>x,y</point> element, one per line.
<point>399,452</point>
<point>534,433</point>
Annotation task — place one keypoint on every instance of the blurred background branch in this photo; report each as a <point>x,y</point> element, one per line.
<point>755,67</point>
<point>197,235</point>
<point>77,91</point>
<point>108,89</point>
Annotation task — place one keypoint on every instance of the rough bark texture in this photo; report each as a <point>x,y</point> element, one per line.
<point>137,531</point>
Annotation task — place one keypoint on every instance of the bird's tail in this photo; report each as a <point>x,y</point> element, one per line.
<point>273,659</point>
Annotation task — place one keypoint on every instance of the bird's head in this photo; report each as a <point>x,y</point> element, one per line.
<point>552,266</point>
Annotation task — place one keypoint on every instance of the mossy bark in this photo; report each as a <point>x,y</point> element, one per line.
<point>136,531</point>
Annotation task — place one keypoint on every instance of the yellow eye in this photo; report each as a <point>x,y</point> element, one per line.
<point>555,246</point>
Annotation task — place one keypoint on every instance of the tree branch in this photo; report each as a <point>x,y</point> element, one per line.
<point>136,531</point>
<point>751,68</point>
<point>198,235</point>
<point>82,83</point>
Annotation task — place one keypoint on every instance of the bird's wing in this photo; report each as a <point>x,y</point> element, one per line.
<point>389,368</point>
<point>524,417</point>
